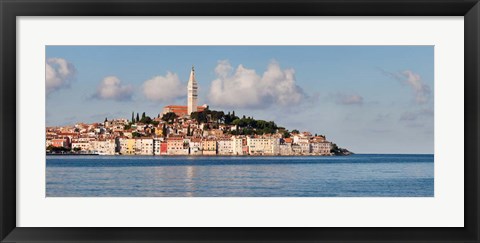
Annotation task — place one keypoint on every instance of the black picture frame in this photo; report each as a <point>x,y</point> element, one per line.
<point>10,9</point>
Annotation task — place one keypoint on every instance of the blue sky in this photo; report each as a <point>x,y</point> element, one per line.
<point>369,99</point>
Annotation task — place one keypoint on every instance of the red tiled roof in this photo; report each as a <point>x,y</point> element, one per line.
<point>181,110</point>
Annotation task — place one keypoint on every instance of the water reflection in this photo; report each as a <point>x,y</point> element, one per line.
<point>190,180</point>
<point>358,176</point>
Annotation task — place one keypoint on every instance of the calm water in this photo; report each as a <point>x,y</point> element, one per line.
<point>154,176</point>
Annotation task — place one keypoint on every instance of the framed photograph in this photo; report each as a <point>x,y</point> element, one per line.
<point>239,121</point>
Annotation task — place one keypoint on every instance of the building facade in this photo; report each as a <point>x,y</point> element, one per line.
<point>225,146</point>
<point>106,147</point>
<point>321,148</point>
<point>209,147</point>
<point>263,146</point>
<point>176,146</point>
<point>144,146</point>
<point>196,146</point>
<point>127,146</point>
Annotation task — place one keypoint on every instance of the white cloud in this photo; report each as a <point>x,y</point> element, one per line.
<point>223,68</point>
<point>59,73</point>
<point>111,88</point>
<point>349,99</point>
<point>420,89</point>
<point>164,88</point>
<point>244,88</point>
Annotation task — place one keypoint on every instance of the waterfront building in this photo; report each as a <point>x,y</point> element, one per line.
<point>209,147</point>
<point>275,146</point>
<point>163,148</point>
<point>147,146</point>
<point>61,142</point>
<point>144,146</point>
<point>321,148</point>
<point>103,147</point>
<point>237,146</point>
<point>225,146</point>
<point>263,146</point>
<point>127,146</point>
<point>245,150</point>
<point>175,146</point>
<point>195,146</point>
<point>156,145</point>
<point>83,146</point>
<point>296,149</point>
<point>285,149</point>
<point>305,147</point>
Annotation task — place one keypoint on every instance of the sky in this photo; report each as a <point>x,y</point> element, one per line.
<point>368,99</point>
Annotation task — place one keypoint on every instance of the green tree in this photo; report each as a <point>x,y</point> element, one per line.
<point>146,119</point>
<point>295,131</point>
<point>200,117</point>
<point>143,115</point>
<point>133,118</point>
<point>169,117</point>
<point>57,149</point>
<point>136,134</point>
<point>138,118</point>
<point>164,130</point>
<point>217,116</point>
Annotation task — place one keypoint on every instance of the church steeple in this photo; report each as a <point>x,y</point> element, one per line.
<point>192,75</point>
<point>192,93</point>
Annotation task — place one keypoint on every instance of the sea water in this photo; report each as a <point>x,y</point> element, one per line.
<point>358,175</point>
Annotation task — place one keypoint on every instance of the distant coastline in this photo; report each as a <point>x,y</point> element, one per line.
<point>216,155</point>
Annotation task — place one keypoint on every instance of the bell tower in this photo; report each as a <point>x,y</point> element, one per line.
<point>192,93</point>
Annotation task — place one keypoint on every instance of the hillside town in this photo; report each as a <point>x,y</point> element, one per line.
<point>187,130</point>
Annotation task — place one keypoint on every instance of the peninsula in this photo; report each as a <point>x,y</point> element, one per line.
<point>187,130</point>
